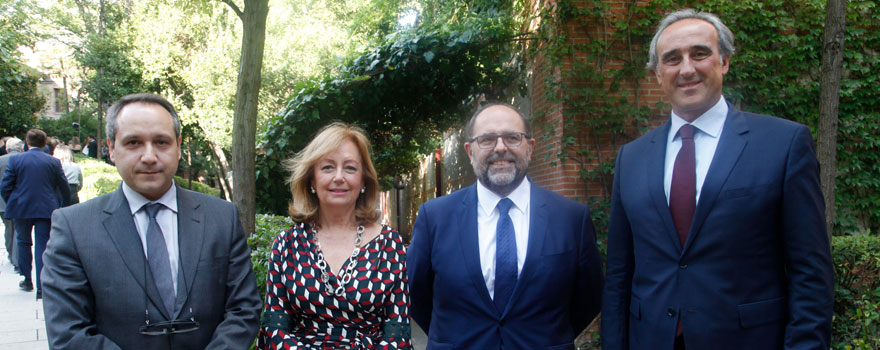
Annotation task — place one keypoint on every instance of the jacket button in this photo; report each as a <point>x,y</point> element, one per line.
<point>670,312</point>
<point>683,266</point>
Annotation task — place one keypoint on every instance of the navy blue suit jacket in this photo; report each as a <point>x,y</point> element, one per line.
<point>557,294</point>
<point>29,184</point>
<point>755,272</point>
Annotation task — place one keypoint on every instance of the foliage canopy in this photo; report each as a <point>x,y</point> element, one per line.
<point>404,93</point>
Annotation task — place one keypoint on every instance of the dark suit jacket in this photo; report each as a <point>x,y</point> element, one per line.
<point>557,294</point>
<point>29,184</point>
<point>755,272</point>
<point>96,282</point>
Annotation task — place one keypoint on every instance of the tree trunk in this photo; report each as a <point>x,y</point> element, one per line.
<point>829,100</point>
<point>223,166</point>
<point>245,118</point>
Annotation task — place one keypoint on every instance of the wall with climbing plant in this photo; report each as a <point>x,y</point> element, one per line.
<point>591,94</point>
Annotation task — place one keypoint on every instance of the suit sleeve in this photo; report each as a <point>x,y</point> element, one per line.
<point>8,183</point>
<point>587,299</point>
<point>619,272</point>
<point>420,272</point>
<point>68,301</point>
<point>807,249</point>
<point>241,319</point>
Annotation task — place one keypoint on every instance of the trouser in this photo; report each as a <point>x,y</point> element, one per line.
<point>41,229</point>
<point>74,194</point>
<point>9,235</point>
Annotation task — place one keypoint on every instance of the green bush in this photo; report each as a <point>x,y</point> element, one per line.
<point>197,186</point>
<point>267,228</point>
<point>100,178</point>
<point>857,292</point>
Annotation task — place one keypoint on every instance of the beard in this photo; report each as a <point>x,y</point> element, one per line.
<point>500,181</point>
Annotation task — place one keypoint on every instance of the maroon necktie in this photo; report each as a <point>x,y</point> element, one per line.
<point>683,192</point>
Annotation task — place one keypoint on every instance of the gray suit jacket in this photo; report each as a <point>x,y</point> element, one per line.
<point>4,160</point>
<point>98,290</point>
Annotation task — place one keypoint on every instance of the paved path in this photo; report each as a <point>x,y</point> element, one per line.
<point>22,326</point>
<point>21,316</point>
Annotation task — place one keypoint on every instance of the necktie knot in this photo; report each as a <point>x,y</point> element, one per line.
<point>152,209</point>
<point>686,131</point>
<point>504,205</point>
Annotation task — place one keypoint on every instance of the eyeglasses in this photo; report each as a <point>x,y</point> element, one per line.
<point>170,327</point>
<point>510,139</point>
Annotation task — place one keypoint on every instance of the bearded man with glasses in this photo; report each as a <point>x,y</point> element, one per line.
<point>503,263</point>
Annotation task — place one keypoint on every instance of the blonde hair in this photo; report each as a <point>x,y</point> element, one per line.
<point>64,154</point>
<point>305,205</point>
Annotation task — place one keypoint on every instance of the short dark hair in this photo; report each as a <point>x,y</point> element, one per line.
<point>36,138</point>
<point>143,97</point>
<point>469,128</point>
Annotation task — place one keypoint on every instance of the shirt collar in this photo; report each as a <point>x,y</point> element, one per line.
<point>710,123</point>
<point>136,200</point>
<point>488,200</point>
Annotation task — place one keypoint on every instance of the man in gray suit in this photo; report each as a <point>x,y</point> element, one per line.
<point>13,146</point>
<point>151,265</point>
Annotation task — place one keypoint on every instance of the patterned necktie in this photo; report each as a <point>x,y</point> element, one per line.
<point>505,256</point>
<point>157,256</point>
<point>683,192</point>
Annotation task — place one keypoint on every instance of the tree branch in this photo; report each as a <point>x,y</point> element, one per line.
<point>234,8</point>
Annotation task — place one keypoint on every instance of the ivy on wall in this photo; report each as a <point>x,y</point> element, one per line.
<point>775,71</point>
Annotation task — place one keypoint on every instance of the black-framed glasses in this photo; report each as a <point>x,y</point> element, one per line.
<point>510,139</point>
<point>168,327</point>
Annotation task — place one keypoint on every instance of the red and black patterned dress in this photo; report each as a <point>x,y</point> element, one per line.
<point>300,313</point>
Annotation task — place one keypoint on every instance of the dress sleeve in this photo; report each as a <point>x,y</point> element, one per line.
<point>396,332</point>
<point>279,317</point>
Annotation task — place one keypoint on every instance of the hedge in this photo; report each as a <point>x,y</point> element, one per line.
<point>100,178</point>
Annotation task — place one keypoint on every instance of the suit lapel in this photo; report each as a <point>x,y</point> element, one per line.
<point>190,233</point>
<point>538,221</point>
<point>120,227</point>
<point>470,245</point>
<point>730,147</point>
<point>656,171</point>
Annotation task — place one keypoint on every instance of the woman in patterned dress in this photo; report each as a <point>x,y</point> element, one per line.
<point>337,279</point>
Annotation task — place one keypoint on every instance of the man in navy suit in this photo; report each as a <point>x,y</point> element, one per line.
<point>29,184</point>
<point>717,237</point>
<point>503,263</point>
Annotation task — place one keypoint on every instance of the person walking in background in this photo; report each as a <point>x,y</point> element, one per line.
<point>71,170</point>
<point>717,235</point>
<point>29,187</point>
<point>504,263</point>
<point>91,148</point>
<point>150,265</point>
<point>336,279</point>
<point>13,146</point>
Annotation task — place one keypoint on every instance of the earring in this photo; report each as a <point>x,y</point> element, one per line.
<point>313,189</point>
<point>363,189</point>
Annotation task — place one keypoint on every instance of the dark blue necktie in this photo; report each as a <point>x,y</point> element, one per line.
<point>157,256</point>
<point>505,256</point>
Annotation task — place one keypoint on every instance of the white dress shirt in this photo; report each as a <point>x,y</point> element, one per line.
<point>487,221</point>
<point>166,217</point>
<point>707,132</point>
